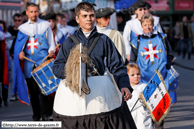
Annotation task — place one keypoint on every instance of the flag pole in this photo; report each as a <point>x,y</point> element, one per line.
<point>134,105</point>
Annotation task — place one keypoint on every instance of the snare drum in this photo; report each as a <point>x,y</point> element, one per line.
<point>45,78</point>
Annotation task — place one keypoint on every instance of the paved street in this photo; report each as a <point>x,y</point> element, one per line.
<point>181,115</point>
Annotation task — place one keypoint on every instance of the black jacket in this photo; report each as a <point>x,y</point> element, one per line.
<point>103,48</point>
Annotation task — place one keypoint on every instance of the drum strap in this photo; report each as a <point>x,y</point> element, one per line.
<point>92,45</point>
<point>25,43</point>
<point>162,41</point>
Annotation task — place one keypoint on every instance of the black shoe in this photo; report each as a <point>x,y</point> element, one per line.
<point>45,118</point>
<point>6,103</point>
<point>51,118</point>
<point>14,98</point>
<point>36,118</point>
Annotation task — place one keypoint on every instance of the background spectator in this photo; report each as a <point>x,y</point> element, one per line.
<point>186,37</point>
<point>176,37</point>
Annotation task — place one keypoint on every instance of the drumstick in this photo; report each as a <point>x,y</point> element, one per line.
<point>48,55</point>
<point>29,60</point>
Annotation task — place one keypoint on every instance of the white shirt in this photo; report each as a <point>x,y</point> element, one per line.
<point>58,35</point>
<point>70,29</point>
<point>140,113</point>
<point>67,30</point>
<point>39,27</point>
<point>103,30</point>
<point>87,34</point>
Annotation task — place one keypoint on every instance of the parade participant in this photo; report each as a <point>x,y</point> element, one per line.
<point>8,42</point>
<point>102,20</point>
<point>133,26</point>
<point>34,41</point>
<point>58,18</point>
<point>17,20</point>
<point>78,111</point>
<point>57,33</point>
<point>64,27</point>
<point>59,39</point>
<point>139,112</point>
<point>151,51</point>
<point>4,76</point>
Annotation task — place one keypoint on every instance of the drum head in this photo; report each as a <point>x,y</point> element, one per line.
<point>42,65</point>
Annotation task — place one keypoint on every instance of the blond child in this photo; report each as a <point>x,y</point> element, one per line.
<point>139,112</point>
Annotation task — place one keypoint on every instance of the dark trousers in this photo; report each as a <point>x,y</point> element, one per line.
<point>184,43</point>
<point>39,102</point>
<point>4,94</point>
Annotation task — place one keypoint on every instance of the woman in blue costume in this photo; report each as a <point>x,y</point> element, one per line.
<point>151,51</point>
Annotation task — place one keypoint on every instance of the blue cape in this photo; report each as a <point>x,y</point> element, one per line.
<point>19,85</point>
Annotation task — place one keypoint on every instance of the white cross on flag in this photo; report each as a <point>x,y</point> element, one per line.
<point>32,44</point>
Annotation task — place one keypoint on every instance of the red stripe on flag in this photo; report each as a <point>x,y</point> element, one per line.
<point>162,106</point>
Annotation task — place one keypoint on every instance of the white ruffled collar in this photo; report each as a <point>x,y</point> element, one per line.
<point>28,29</point>
<point>148,34</point>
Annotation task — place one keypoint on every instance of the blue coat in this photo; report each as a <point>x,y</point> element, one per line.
<point>103,48</point>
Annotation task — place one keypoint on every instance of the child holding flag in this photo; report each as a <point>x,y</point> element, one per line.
<point>140,113</point>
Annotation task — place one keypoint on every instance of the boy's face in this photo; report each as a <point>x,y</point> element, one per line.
<point>134,76</point>
<point>86,20</point>
<point>64,22</point>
